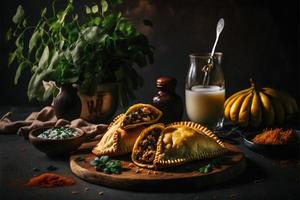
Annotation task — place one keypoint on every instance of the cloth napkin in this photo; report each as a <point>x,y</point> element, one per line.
<point>46,118</point>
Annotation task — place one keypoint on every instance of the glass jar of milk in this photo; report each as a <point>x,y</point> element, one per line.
<point>205,90</point>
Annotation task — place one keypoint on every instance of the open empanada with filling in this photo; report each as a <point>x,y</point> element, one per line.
<point>177,143</point>
<point>140,114</point>
<point>117,141</point>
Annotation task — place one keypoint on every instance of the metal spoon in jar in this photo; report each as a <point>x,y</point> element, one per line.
<point>206,69</point>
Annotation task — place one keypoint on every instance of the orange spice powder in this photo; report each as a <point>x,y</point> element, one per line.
<point>48,180</point>
<point>275,136</point>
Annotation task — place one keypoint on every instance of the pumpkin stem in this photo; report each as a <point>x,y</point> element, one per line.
<point>252,83</point>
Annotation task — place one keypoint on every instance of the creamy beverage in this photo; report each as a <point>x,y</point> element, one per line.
<point>204,105</point>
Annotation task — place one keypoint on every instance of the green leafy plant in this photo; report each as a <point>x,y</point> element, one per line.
<point>103,46</point>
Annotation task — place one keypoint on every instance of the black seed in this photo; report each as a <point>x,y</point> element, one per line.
<point>36,169</point>
<point>51,168</point>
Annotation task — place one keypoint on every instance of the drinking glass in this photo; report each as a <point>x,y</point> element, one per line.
<point>205,90</point>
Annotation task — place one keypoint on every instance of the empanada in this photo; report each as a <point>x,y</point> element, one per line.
<point>177,143</point>
<point>117,141</point>
<point>140,114</point>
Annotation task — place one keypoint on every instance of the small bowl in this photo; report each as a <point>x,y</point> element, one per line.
<point>274,150</point>
<point>56,147</point>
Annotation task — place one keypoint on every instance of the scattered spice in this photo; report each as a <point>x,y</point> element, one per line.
<point>275,136</point>
<point>131,165</point>
<point>138,170</point>
<point>48,180</point>
<point>75,192</point>
<point>100,193</point>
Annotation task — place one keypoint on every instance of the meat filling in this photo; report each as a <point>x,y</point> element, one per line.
<point>147,147</point>
<point>139,115</point>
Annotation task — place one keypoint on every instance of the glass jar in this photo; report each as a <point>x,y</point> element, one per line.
<point>205,90</point>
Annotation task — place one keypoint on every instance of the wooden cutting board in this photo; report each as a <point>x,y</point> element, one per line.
<point>180,177</point>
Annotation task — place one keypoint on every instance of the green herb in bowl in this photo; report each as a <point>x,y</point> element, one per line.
<point>58,133</point>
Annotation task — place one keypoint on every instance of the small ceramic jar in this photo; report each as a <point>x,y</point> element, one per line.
<point>167,100</point>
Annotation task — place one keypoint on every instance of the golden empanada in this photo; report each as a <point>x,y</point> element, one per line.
<point>117,141</point>
<point>177,143</point>
<point>140,114</point>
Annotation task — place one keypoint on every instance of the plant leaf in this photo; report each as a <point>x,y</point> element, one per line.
<point>103,38</point>
<point>19,71</point>
<point>88,10</point>
<point>35,87</point>
<point>95,9</point>
<point>9,34</point>
<point>90,34</point>
<point>19,16</point>
<point>62,15</point>
<point>51,91</point>
<point>97,21</point>
<point>24,23</point>
<point>11,57</point>
<point>140,59</point>
<point>19,42</point>
<point>39,52</point>
<point>54,60</point>
<point>44,58</point>
<point>33,40</point>
<point>104,6</point>
<point>44,11</point>
<point>117,1</point>
<point>109,23</point>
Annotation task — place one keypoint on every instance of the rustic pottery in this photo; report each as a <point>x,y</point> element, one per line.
<point>67,104</point>
<point>101,106</point>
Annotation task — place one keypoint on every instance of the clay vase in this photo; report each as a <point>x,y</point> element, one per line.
<point>67,104</point>
<point>102,105</point>
<point>167,100</point>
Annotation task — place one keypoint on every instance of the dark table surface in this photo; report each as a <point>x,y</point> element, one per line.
<point>264,178</point>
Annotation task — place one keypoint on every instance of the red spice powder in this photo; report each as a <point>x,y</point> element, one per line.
<point>48,180</point>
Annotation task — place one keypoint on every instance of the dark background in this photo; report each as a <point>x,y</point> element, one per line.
<point>260,40</point>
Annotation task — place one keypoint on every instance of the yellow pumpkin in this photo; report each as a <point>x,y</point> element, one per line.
<point>256,107</point>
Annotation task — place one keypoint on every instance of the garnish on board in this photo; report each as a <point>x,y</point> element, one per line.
<point>106,165</point>
<point>215,163</point>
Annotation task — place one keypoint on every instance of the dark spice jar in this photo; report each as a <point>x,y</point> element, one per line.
<point>167,100</point>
